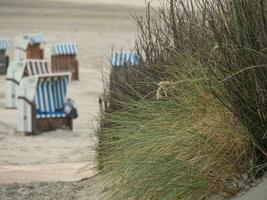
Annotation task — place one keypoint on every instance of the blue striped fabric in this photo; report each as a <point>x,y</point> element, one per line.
<point>65,49</point>
<point>50,97</point>
<point>35,67</point>
<point>4,44</point>
<point>35,38</point>
<point>124,59</point>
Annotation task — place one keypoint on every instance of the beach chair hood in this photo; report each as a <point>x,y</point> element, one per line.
<point>64,59</point>
<point>17,71</point>
<point>64,49</point>
<point>34,67</point>
<point>22,42</point>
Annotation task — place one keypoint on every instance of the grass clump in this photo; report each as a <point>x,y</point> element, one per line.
<point>191,119</point>
<point>182,146</point>
<point>240,65</point>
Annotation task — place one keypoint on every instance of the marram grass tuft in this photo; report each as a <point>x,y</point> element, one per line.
<point>182,146</point>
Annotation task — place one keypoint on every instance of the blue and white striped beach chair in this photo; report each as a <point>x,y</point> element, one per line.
<point>29,46</point>
<point>4,45</point>
<point>41,101</point>
<point>17,70</point>
<point>124,59</point>
<point>64,59</point>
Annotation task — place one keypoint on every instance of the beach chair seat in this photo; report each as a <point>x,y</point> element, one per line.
<point>122,59</point>
<point>55,114</point>
<point>4,59</point>
<point>41,101</point>
<point>17,70</point>
<point>29,46</point>
<point>64,59</point>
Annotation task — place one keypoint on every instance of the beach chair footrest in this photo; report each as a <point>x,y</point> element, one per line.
<point>49,124</point>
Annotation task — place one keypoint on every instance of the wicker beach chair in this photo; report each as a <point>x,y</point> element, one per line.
<point>4,60</point>
<point>64,59</point>
<point>29,46</point>
<point>16,72</point>
<point>41,101</point>
<point>124,70</point>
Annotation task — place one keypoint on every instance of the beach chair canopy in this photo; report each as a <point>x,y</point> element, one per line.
<point>19,69</point>
<point>64,49</point>
<point>4,44</point>
<point>22,42</point>
<point>47,92</point>
<point>124,59</point>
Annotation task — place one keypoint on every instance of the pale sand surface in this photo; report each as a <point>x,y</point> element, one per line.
<point>136,3</point>
<point>95,28</point>
<point>258,192</point>
<point>58,155</point>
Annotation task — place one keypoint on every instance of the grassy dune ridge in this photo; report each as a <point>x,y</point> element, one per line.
<point>189,122</point>
<point>181,146</point>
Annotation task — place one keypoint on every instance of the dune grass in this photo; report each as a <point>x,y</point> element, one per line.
<point>240,61</point>
<point>190,121</point>
<point>182,146</point>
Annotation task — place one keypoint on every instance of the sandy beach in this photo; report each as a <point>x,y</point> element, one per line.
<point>61,156</point>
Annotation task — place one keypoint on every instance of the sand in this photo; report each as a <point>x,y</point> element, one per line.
<point>135,3</point>
<point>80,190</point>
<point>257,192</point>
<point>36,167</point>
